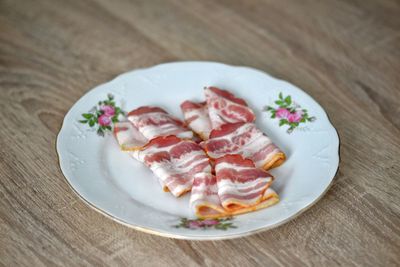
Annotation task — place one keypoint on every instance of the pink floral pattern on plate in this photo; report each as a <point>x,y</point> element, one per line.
<point>289,113</point>
<point>220,224</point>
<point>103,116</point>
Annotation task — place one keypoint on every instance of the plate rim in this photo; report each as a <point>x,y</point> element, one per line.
<point>194,237</point>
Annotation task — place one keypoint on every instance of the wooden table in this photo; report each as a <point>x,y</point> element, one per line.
<point>346,54</point>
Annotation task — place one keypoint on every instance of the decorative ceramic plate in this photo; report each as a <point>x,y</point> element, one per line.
<point>125,190</point>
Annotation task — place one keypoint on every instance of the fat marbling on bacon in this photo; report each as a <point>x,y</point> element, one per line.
<point>174,161</point>
<point>240,184</point>
<point>224,107</point>
<point>247,140</point>
<point>180,166</point>
<point>128,136</point>
<point>154,121</point>
<point>237,188</point>
<point>197,118</point>
<point>204,198</point>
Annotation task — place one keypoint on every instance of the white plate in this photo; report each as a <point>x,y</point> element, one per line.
<point>118,186</point>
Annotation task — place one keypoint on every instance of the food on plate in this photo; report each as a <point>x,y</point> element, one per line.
<point>174,161</point>
<point>204,199</point>
<point>240,183</point>
<point>247,140</point>
<point>269,198</point>
<point>226,173</point>
<point>154,121</point>
<point>224,107</point>
<point>196,117</point>
<point>237,188</point>
<point>221,107</point>
<point>128,136</point>
<point>182,166</point>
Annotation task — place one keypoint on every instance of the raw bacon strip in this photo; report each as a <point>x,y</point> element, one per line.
<point>174,161</point>
<point>196,117</point>
<point>204,199</point>
<point>224,107</point>
<point>244,139</point>
<point>128,137</point>
<point>240,184</point>
<point>154,121</point>
<point>206,204</point>
<point>269,198</point>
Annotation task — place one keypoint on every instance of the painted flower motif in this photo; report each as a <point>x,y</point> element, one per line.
<point>104,120</point>
<point>220,224</point>
<point>282,113</point>
<point>289,113</point>
<point>194,224</point>
<point>103,116</point>
<point>108,110</point>
<point>295,117</point>
<point>210,222</point>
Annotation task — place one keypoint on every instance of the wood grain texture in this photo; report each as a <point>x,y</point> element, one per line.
<point>346,54</point>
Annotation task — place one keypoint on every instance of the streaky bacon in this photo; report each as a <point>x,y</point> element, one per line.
<point>128,136</point>
<point>145,109</point>
<point>224,107</point>
<point>154,121</point>
<point>215,197</point>
<point>197,118</point>
<point>204,199</point>
<point>240,184</point>
<point>244,139</point>
<point>175,162</point>
<point>231,179</point>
